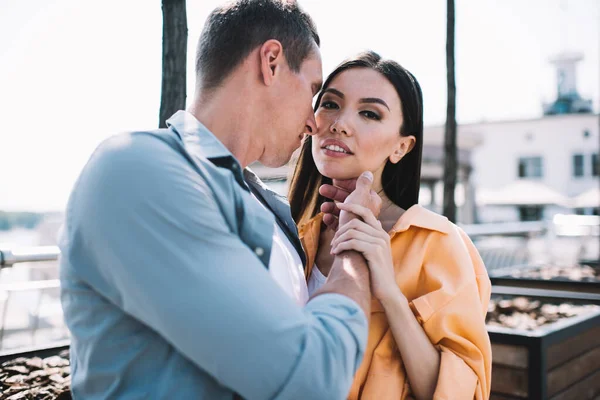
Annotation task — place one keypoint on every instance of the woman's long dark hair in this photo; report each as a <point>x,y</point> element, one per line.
<point>401,181</point>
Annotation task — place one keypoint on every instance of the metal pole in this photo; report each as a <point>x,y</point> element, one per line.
<point>9,257</point>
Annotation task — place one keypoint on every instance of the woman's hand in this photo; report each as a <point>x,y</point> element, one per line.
<point>370,239</point>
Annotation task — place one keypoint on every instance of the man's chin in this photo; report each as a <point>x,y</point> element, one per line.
<point>275,162</point>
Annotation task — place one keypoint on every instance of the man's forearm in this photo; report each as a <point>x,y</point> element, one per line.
<point>349,276</point>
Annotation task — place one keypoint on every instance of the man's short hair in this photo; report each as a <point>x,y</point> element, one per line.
<point>233,30</point>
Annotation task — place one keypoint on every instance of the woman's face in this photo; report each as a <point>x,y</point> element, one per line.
<point>358,126</point>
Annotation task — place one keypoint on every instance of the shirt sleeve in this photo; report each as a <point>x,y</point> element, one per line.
<point>150,237</point>
<point>453,316</point>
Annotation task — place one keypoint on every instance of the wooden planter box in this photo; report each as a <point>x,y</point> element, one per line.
<point>36,373</point>
<point>558,361</point>
<point>502,277</point>
<point>40,351</point>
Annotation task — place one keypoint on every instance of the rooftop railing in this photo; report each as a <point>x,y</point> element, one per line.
<point>9,257</point>
<point>494,257</point>
<point>31,254</point>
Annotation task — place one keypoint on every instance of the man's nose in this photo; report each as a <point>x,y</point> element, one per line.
<point>311,124</point>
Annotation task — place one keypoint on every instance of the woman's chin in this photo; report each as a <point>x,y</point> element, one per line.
<point>337,174</point>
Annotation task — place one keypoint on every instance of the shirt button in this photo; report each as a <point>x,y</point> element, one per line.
<point>259,251</point>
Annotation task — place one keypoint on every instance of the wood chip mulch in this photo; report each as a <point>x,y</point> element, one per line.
<point>527,314</point>
<point>36,378</point>
<point>576,273</point>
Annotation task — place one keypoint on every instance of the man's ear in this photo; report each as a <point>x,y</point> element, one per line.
<point>406,144</point>
<point>271,58</point>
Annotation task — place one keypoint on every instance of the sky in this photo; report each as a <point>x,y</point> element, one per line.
<point>73,73</point>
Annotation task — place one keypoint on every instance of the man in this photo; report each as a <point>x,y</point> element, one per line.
<point>166,268</point>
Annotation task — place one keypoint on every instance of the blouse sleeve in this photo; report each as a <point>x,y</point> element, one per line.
<point>452,314</point>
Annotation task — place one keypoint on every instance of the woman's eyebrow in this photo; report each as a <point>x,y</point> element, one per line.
<point>335,92</point>
<point>363,100</point>
<point>374,100</point>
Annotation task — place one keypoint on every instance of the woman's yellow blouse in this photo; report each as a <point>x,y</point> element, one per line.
<point>443,277</point>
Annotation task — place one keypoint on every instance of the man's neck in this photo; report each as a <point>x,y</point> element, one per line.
<point>230,116</point>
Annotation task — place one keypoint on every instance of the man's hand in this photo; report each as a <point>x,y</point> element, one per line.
<point>337,193</point>
<point>343,190</point>
<point>362,195</point>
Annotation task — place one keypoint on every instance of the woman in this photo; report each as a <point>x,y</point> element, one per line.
<point>427,335</point>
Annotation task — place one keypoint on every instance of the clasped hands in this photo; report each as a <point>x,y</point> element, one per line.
<point>353,213</point>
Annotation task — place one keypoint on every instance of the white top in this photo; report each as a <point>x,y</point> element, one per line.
<point>285,266</point>
<point>315,280</point>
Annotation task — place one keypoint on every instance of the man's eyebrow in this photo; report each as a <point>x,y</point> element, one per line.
<point>374,100</point>
<point>335,92</point>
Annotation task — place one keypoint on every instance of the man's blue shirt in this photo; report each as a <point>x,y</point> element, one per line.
<point>165,287</point>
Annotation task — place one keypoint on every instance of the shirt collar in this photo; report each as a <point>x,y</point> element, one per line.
<point>204,143</point>
<point>421,217</point>
<point>416,215</point>
<point>190,129</point>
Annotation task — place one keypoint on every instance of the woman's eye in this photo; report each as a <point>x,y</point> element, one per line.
<point>329,105</point>
<point>370,115</point>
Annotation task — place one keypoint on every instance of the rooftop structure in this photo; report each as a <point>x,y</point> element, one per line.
<point>568,100</point>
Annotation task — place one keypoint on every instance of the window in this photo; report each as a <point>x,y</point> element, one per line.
<point>595,165</point>
<point>578,165</point>
<point>530,213</point>
<point>530,167</point>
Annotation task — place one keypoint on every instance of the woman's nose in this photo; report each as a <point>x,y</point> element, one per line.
<point>340,127</point>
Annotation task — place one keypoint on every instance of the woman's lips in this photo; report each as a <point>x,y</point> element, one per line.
<point>335,148</point>
<point>333,153</point>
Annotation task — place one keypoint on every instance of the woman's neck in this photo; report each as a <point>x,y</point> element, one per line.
<point>390,212</point>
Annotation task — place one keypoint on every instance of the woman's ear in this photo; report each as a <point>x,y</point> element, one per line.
<point>405,146</point>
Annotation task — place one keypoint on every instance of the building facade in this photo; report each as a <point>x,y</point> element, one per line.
<point>558,154</point>
<point>533,169</point>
